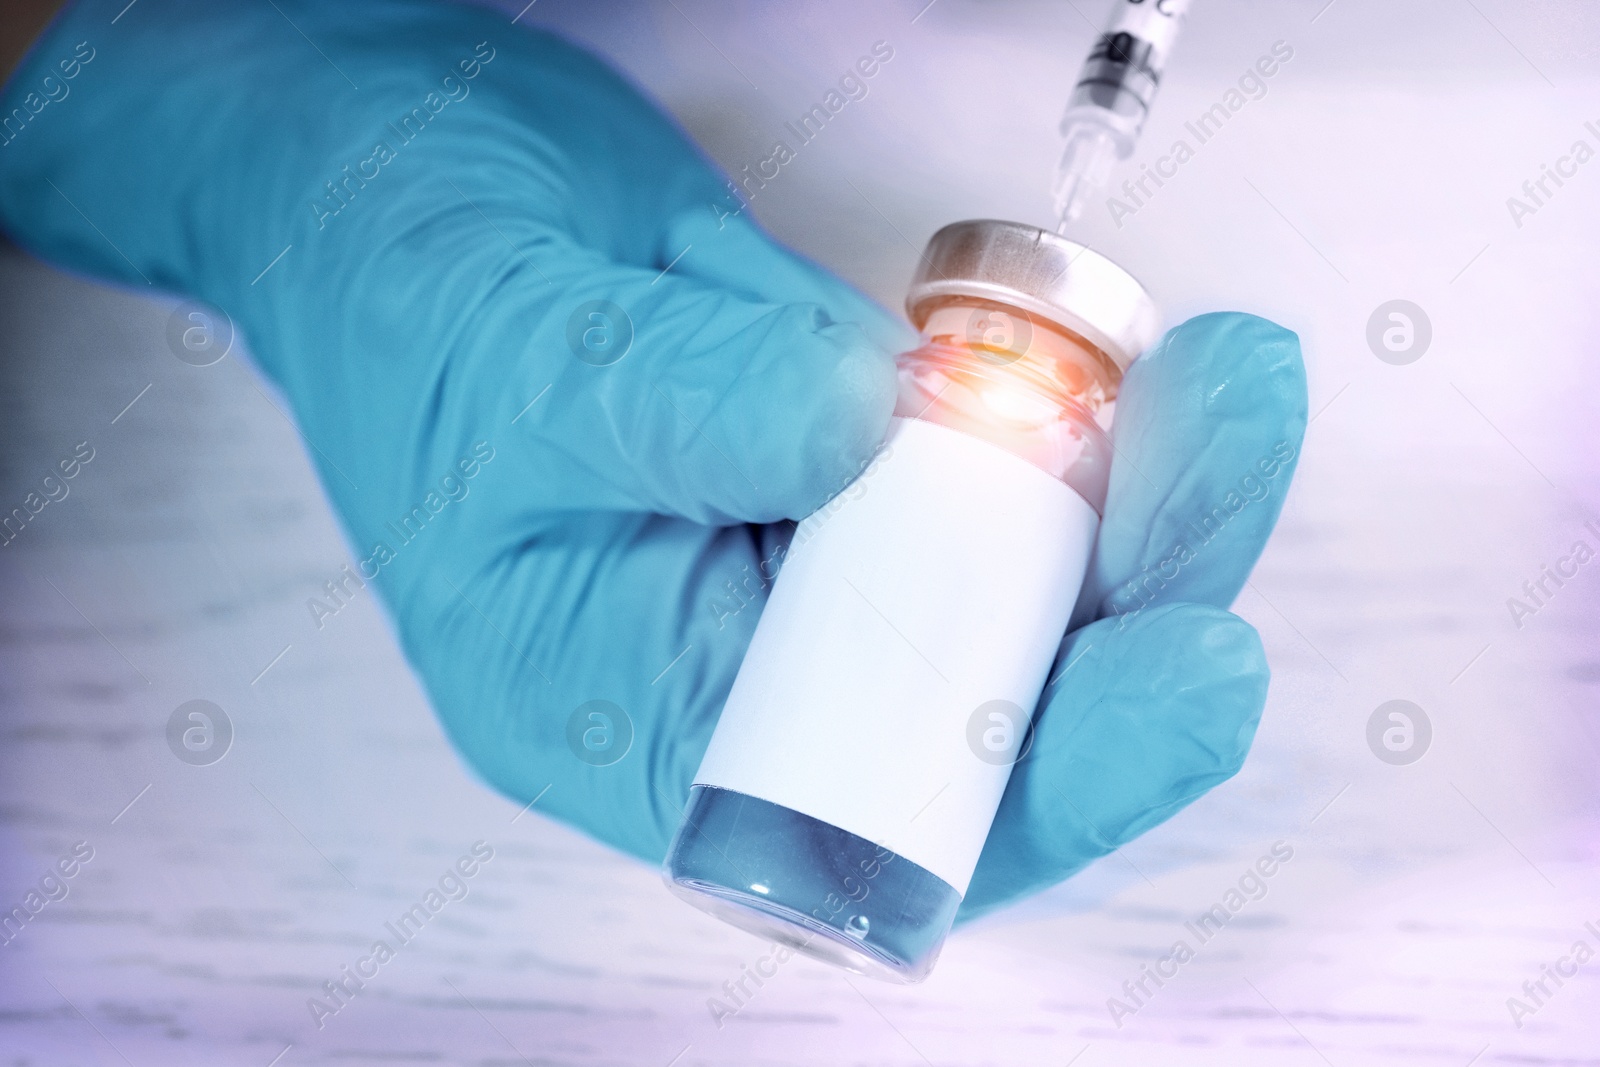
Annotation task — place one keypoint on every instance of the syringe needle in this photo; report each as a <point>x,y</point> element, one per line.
<point>1085,164</point>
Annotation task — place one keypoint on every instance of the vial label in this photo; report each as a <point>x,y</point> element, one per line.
<point>936,592</point>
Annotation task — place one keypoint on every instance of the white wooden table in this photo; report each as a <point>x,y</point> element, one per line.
<point>1419,898</point>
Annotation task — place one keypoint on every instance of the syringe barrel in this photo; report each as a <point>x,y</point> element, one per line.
<point>1118,81</point>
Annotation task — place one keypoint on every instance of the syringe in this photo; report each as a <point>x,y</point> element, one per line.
<point>1112,97</point>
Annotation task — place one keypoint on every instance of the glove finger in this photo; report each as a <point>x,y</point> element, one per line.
<point>1208,430</point>
<point>677,396</point>
<point>607,386</point>
<point>1149,713</point>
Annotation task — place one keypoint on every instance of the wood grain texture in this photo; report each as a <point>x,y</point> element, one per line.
<point>1418,899</point>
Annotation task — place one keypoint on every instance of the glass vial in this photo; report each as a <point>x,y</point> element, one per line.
<point>857,765</point>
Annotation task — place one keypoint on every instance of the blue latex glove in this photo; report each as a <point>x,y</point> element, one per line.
<point>572,550</point>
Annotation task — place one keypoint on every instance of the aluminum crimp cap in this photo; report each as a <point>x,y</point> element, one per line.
<point>1042,274</point>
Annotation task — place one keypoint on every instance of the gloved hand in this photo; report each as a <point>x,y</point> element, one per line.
<point>561,398</point>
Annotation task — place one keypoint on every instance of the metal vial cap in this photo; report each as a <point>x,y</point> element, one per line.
<point>1042,274</point>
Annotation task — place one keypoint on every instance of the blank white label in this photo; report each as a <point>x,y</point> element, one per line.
<point>939,582</point>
